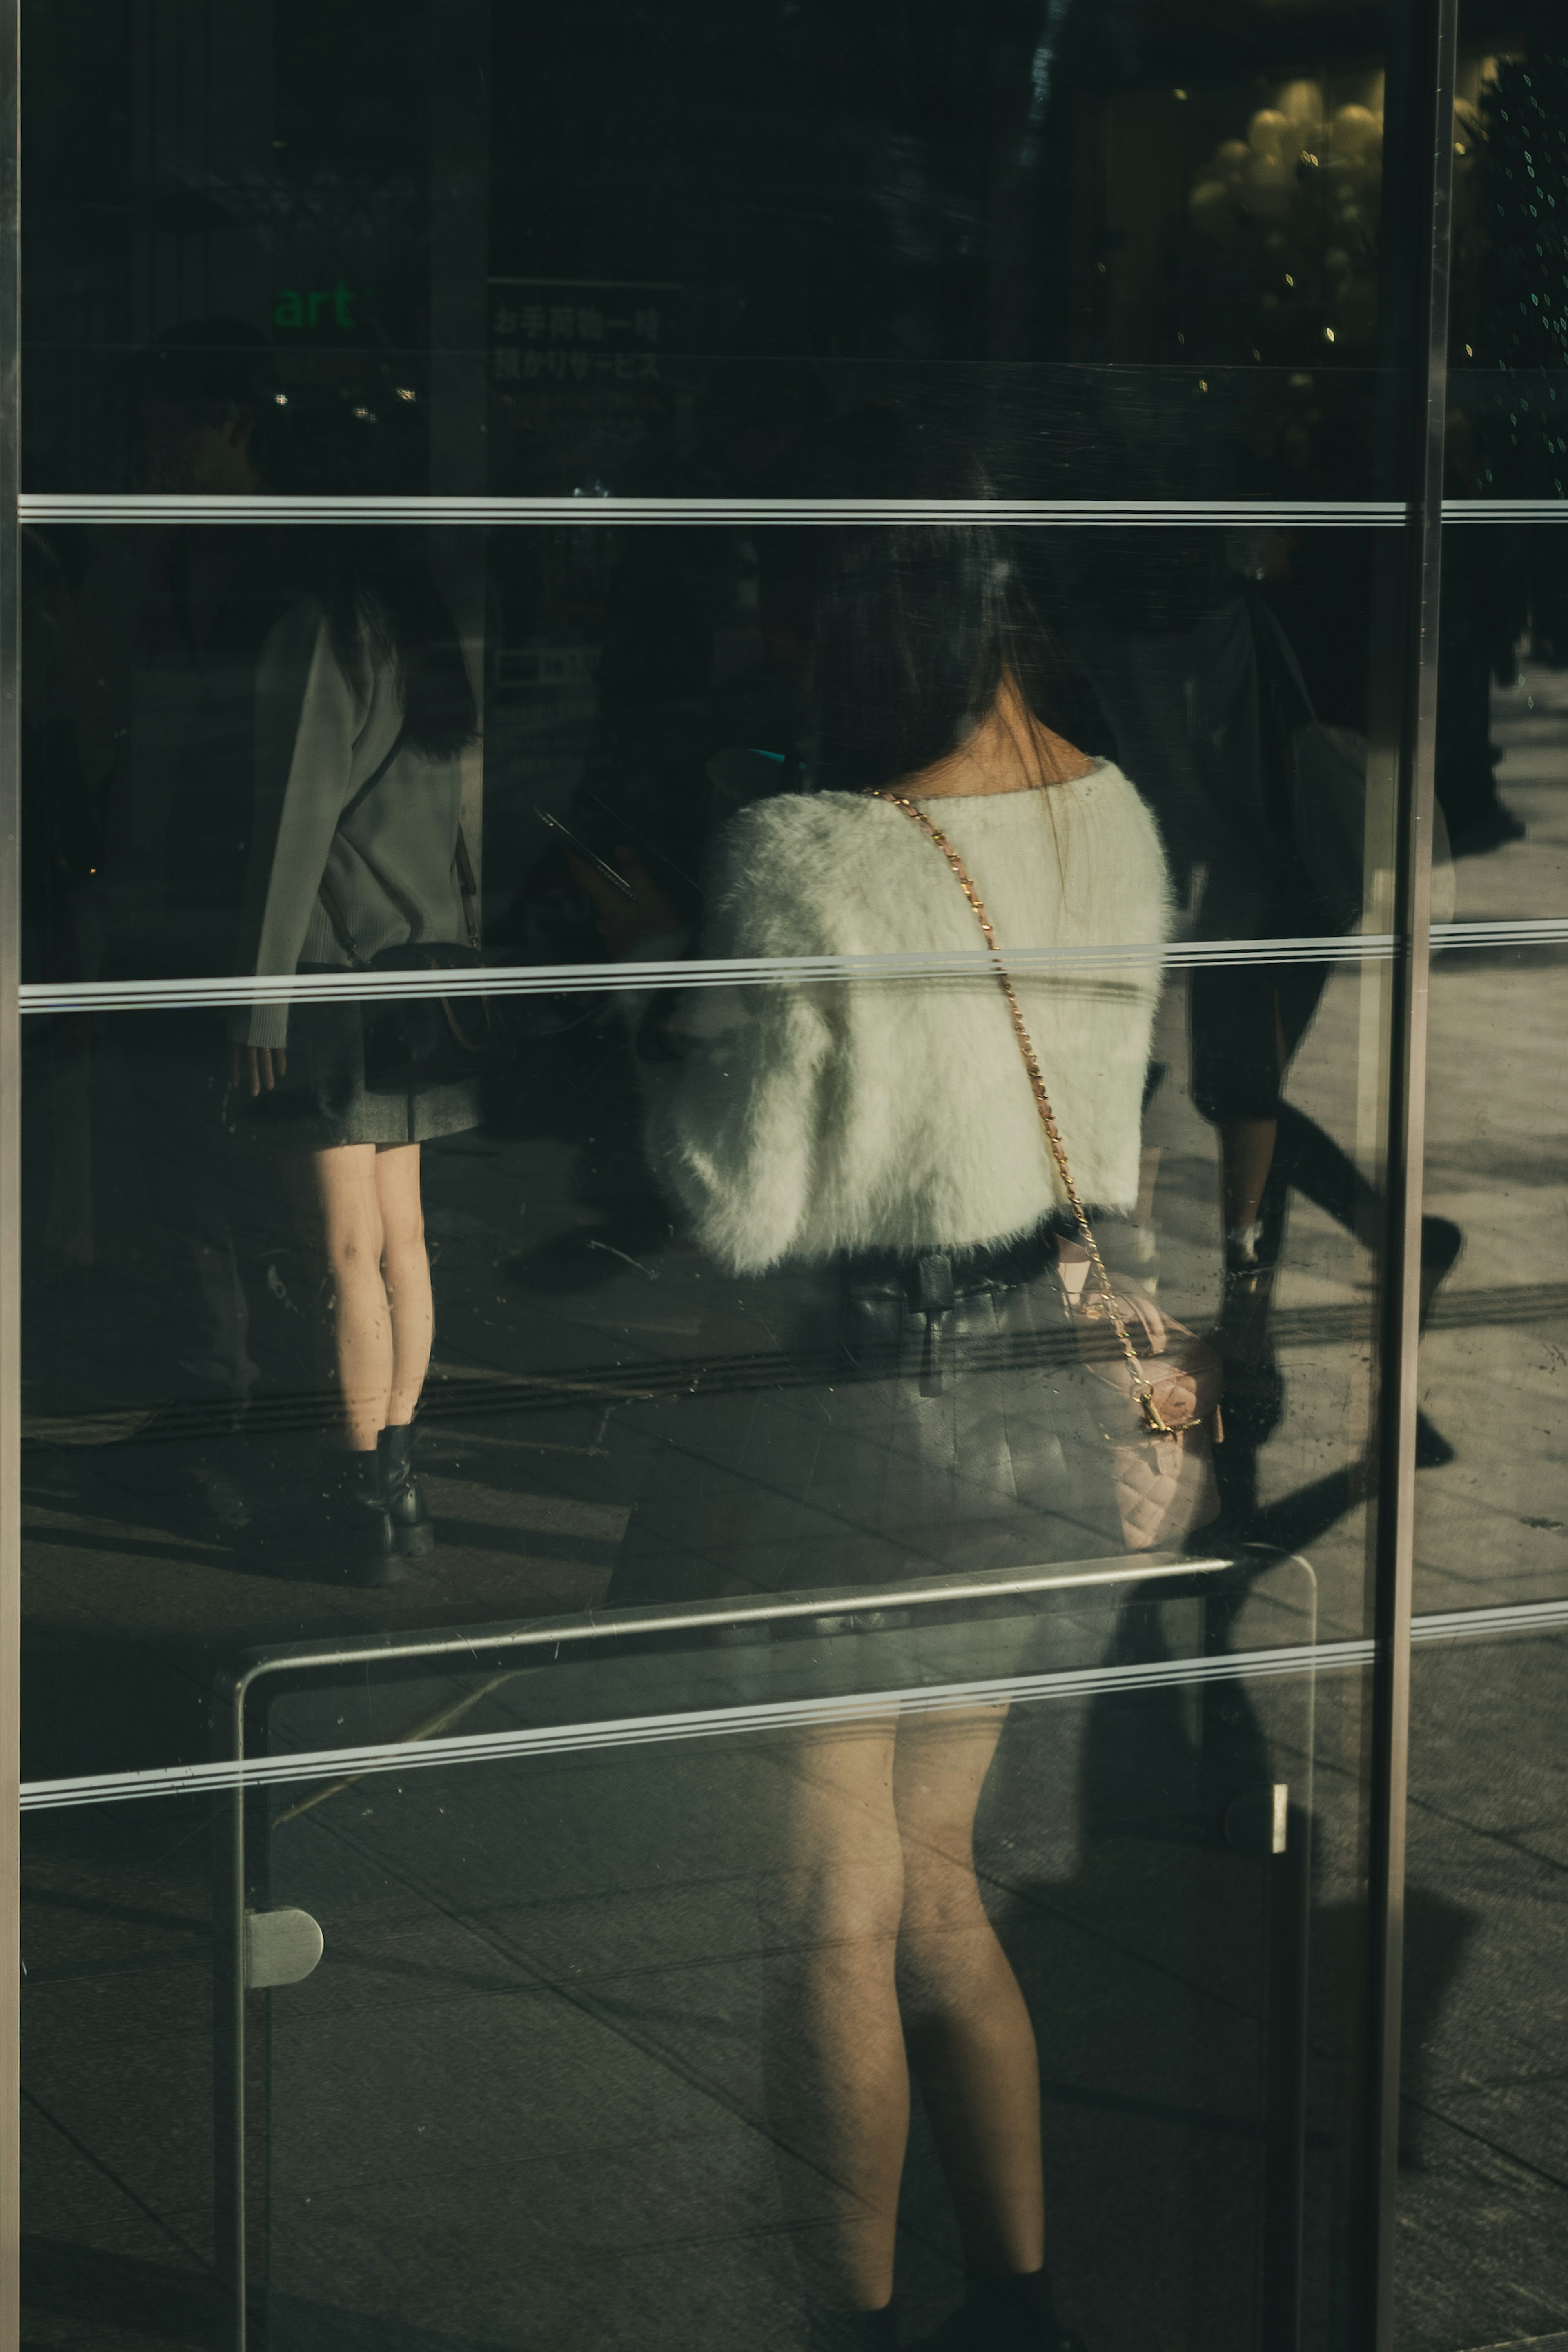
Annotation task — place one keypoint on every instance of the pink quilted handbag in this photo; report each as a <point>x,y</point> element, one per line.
<point>1164,1491</point>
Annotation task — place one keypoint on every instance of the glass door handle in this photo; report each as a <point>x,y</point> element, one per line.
<point>281,1948</point>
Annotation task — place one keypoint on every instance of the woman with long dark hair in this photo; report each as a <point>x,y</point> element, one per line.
<point>863,1162</point>
<point>363,706</point>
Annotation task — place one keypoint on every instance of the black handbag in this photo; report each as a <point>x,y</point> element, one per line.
<point>412,1042</point>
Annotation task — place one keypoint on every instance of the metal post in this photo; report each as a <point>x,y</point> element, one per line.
<point>229,2195</point>
<point>460,311</point>
<point>1431,152</point>
<point>10,1208</point>
<point>1287,1925</point>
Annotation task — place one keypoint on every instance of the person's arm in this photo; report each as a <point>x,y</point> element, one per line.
<point>736,1109</point>
<point>733,1127</point>
<point>735,1120</point>
<point>309,716</point>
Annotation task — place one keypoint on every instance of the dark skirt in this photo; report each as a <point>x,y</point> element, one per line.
<point>323,1101</point>
<point>918,1417</point>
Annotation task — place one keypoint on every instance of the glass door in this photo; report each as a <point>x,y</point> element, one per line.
<point>579,1953</point>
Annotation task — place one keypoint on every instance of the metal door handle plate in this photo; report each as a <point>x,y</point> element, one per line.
<point>281,1948</point>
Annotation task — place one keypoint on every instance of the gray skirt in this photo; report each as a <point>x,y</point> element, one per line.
<point>323,1101</point>
<point>924,1417</point>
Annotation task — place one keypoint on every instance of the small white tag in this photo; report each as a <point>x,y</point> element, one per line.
<point>1072,1267</point>
<point>1282,1816</point>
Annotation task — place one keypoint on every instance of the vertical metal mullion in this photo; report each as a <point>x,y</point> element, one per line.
<point>1433,61</point>
<point>10,1202</point>
<point>459,316</point>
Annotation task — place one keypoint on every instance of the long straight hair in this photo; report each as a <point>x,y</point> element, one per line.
<point>375,585</point>
<point>904,633</point>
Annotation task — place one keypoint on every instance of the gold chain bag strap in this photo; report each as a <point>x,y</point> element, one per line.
<point>1164,1477</point>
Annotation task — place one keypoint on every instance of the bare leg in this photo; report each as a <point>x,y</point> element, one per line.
<point>837,2078</point>
<point>351,1242</point>
<point>1246,1154</point>
<point>970,2036</point>
<point>406,1270</point>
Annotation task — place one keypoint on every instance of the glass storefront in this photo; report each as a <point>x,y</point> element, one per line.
<point>781,1318</point>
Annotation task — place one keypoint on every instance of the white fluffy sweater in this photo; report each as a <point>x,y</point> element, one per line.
<point>806,1117</point>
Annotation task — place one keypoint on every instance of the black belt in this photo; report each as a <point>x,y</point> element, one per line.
<point>930,1282</point>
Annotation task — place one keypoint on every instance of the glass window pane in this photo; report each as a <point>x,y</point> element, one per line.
<point>519,1137</point>
<point>532,251</point>
<point>635,1185</point>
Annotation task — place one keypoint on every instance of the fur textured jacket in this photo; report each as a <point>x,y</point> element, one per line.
<point>803,1119</point>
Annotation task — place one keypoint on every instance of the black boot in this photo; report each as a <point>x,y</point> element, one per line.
<point>1252,1389</point>
<point>354,1531</point>
<point>1013,2313</point>
<point>413,1535</point>
<point>853,2331</point>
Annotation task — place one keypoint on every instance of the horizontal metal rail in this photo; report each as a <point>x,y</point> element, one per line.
<point>479,1747</point>
<point>700,1723</point>
<point>694,972</point>
<point>584,1629</point>
<point>762,971</point>
<point>601,507</point>
<point>1505,510</point>
<point>165,507</point>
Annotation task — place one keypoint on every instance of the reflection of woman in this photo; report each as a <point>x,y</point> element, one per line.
<point>362,707</point>
<point>863,1163</point>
